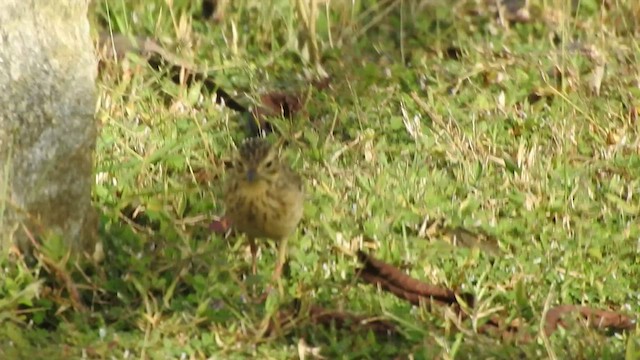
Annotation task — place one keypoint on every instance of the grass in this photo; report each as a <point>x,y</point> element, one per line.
<point>435,111</point>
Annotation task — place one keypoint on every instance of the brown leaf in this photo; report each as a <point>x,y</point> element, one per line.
<point>273,104</point>
<point>281,104</point>
<point>220,226</point>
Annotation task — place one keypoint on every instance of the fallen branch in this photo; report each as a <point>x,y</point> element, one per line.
<point>405,287</point>
<point>272,104</point>
<point>393,280</point>
<point>116,46</point>
<point>595,318</point>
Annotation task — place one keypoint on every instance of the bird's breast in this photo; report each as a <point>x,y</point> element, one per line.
<point>260,210</point>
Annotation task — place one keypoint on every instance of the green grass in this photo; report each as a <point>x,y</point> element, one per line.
<point>430,115</point>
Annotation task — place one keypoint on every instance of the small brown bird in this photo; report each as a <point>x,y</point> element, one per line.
<point>263,198</point>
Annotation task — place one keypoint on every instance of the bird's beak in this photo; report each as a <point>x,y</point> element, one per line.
<point>251,175</point>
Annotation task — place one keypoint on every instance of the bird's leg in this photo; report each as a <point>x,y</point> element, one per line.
<point>254,267</point>
<point>282,258</point>
<point>254,255</point>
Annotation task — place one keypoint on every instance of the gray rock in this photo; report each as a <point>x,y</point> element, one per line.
<point>47,128</point>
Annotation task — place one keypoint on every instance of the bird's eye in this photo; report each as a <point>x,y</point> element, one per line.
<point>269,164</point>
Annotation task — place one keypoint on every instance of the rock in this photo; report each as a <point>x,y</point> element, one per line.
<point>47,128</point>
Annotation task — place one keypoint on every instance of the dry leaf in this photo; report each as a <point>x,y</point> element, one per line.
<point>304,349</point>
<point>220,226</point>
<point>595,79</point>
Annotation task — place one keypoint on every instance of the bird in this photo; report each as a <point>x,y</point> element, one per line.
<point>264,198</point>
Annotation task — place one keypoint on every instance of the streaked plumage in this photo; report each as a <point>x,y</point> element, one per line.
<point>263,197</point>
